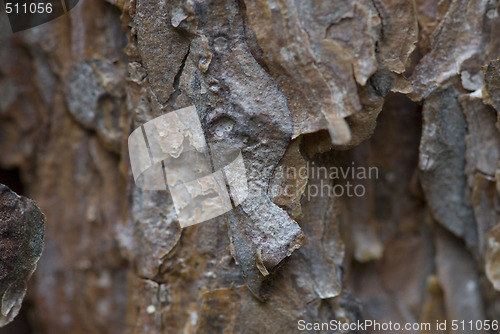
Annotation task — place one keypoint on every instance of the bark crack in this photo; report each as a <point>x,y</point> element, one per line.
<point>173,97</point>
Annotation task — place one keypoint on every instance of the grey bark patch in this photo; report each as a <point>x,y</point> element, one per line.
<point>21,244</point>
<point>96,97</point>
<point>442,164</point>
<point>246,112</point>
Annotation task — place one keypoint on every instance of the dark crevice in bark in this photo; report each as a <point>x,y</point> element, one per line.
<point>173,98</point>
<point>12,179</point>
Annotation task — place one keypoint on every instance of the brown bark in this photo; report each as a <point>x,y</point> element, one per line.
<point>409,87</point>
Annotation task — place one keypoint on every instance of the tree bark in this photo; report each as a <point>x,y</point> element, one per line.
<point>394,101</point>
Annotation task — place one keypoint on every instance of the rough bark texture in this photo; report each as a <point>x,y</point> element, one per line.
<point>21,244</point>
<point>411,87</point>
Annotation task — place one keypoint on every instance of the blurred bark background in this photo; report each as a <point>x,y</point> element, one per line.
<point>411,87</point>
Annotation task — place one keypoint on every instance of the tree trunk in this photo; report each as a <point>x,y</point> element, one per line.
<point>369,135</point>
